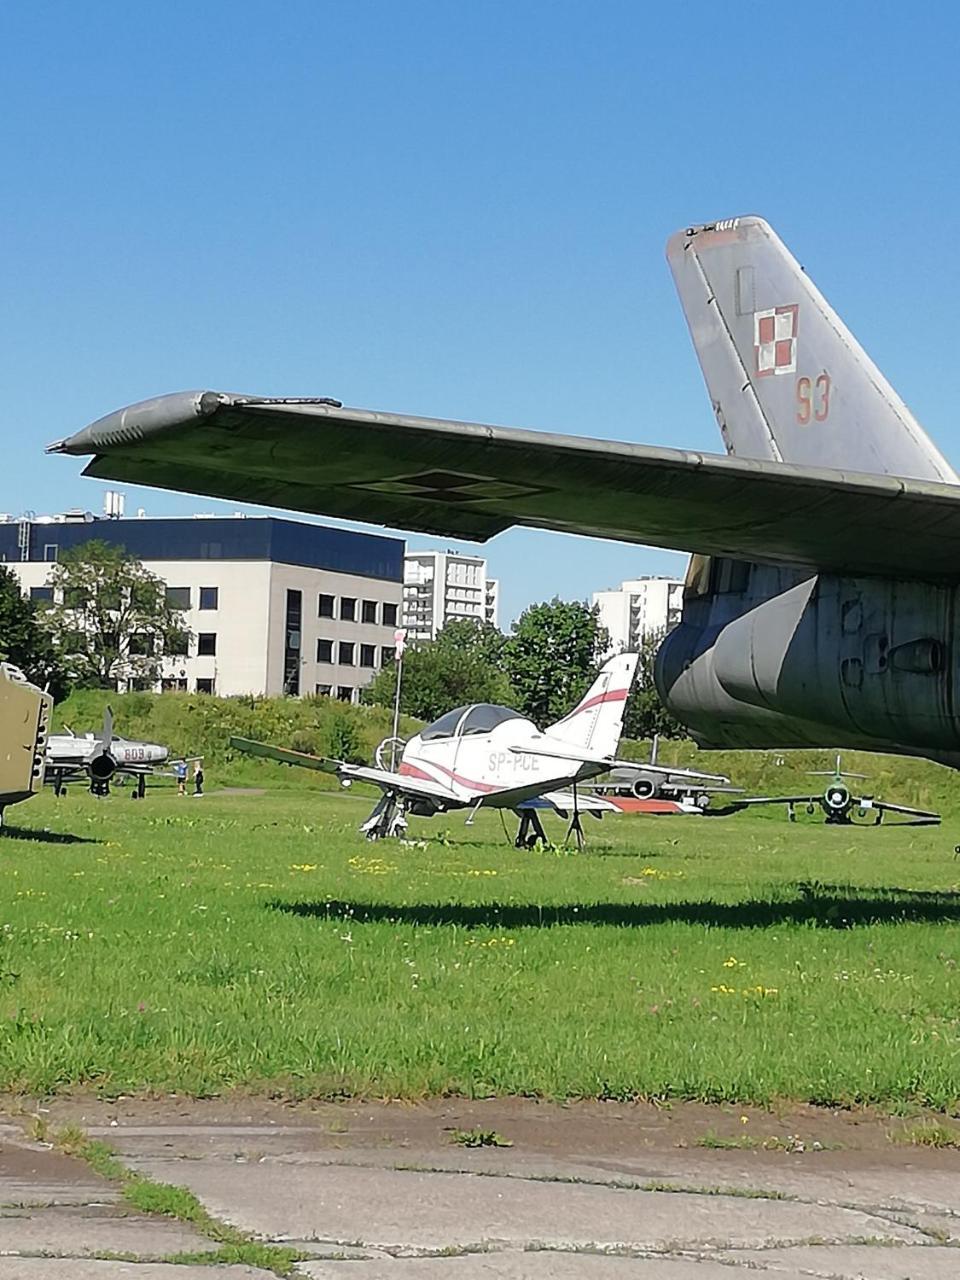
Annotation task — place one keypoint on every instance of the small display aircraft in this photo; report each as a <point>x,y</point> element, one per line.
<point>99,757</point>
<point>663,789</point>
<point>488,756</point>
<point>840,806</point>
<point>24,722</point>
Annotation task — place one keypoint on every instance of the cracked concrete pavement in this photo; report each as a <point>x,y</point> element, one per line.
<point>378,1190</point>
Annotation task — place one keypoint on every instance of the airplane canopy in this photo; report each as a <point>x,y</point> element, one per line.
<point>479,718</point>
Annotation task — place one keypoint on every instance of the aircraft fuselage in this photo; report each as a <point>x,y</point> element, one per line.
<point>766,657</point>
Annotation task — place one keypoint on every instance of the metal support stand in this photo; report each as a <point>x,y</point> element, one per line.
<point>576,826</point>
<point>529,820</point>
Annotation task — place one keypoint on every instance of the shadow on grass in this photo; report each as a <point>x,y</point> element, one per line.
<point>824,906</point>
<point>44,837</point>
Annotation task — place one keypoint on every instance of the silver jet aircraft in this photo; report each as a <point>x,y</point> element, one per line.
<point>823,589</point>
<point>98,757</point>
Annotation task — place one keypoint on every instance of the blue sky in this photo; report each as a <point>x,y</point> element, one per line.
<point>453,209</point>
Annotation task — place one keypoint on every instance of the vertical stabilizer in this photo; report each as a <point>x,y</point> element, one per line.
<point>787,380</point>
<point>596,722</point>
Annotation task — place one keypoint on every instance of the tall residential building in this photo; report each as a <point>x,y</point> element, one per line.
<point>638,608</point>
<point>274,606</point>
<point>445,586</point>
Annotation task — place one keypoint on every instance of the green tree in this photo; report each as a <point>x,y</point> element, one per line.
<point>110,620</point>
<point>461,666</point>
<point>645,713</point>
<point>551,657</point>
<point>23,638</point>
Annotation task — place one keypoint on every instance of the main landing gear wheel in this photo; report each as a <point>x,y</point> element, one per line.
<point>386,820</point>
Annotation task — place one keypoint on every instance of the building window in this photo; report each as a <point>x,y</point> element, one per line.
<point>389,615</point>
<point>368,655</point>
<point>345,693</point>
<point>324,650</point>
<point>369,613</point>
<point>140,646</point>
<point>325,606</point>
<point>387,655</point>
<point>346,653</point>
<point>173,684</point>
<point>207,644</point>
<point>291,648</point>
<point>209,597</point>
<point>177,644</point>
<point>178,597</point>
<point>50,551</point>
<point>41,593</point>
<point>324,690</point>
<point>348,609</point>
<point>204,685</point>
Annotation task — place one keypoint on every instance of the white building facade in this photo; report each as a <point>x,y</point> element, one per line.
<point>446,586</point>
<point>639,608</point>
<point>272,606</point>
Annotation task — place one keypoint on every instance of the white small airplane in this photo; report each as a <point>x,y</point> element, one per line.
<point>490,757</point>
<point>98,757</point>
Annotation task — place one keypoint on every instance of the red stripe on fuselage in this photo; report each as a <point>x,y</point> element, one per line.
<point>411,771</point>
<point>614,695</point>
<point>454,777</point>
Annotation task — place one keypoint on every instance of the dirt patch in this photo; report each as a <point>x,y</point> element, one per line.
<point>592,1130</point>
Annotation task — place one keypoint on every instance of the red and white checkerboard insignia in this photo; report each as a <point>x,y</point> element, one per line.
<point>775,340</point>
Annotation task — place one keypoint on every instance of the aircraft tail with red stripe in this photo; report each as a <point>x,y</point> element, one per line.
<point>596,722</point>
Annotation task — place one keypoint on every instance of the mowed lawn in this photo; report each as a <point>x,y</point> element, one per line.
<point>260,942</point>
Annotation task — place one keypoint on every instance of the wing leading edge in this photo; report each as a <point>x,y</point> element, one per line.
<point>473,481</point>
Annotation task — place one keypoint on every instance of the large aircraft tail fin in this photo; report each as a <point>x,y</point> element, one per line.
<point>596,722</point>
<point>787,380</point>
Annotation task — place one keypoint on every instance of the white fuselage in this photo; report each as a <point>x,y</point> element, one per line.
<point>64,748</point>
<point>499,768</point>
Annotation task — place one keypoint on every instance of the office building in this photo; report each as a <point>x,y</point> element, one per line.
<point>273,606</point>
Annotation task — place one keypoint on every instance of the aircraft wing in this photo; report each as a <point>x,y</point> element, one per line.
<point>401,782</point>
<point>303,759</point>
<point>354,772</point>
<point>922,815</point>
<point>563,802</point>
<point>750,800</point>
<point>473,481</point>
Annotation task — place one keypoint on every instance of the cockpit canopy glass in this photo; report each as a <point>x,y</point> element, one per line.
<point>480,718</point>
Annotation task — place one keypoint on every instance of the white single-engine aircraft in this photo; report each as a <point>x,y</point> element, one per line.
<point>490,757</point>
<point>98,757</point>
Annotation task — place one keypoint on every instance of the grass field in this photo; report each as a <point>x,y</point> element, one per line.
<point>259,942</point>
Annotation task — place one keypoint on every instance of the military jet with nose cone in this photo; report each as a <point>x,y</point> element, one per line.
<point>825,580</point>
<point>840,806</point>
<point>491,757</point>
<point>98,758</point>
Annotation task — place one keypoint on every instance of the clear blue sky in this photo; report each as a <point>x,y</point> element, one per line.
<point>455,209</point>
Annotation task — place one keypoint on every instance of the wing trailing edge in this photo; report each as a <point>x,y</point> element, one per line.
<point>472,481</point>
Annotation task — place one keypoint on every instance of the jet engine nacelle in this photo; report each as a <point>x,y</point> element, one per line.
<point>102,767</point>
<point>827,661</point>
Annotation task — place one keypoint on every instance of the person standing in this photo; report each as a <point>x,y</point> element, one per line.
<point>180,773</point>
<point>198,778</point>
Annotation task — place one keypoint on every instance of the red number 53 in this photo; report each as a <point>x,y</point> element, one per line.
<point>813,399</point>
